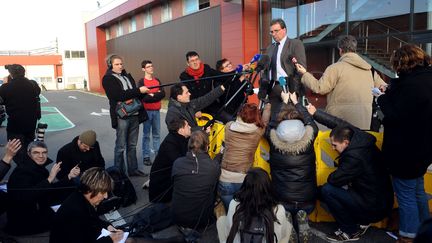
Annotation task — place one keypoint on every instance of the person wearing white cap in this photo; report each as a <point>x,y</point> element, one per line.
<point>292,161</point>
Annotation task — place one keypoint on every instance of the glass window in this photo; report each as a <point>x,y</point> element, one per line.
<point>119,29</point>
<point>132,25</point>
<point>148,21</point>
<point>67,54</point>
<point>107,33</point>
<point>75,54</point>
<point>204,4</point>
<point>190,6</point>
<point>82,54</point>
<point>321,20</point>
<point>166,14</point>
<point>423,15</point>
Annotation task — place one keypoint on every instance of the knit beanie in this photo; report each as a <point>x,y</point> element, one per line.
<point>88,138</point>
<point>290,131</point>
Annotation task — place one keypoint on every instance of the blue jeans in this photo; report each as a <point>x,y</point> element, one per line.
<point>127,136</point>
<point>227,191</point>
<point>151,125</point>
<point>346,211</point>
<point>413,204</point>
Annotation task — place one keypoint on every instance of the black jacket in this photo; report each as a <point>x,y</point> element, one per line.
<point>173,146</point>
<point>202,87</point>
<point>30,198</point>
<point>362,169</point>
<point>70,155</point>
<point>77,221</point>
<point>115,93</point>
<point>292,166</point>
<point>157,96</point>
<point>188,110</point>
<point>407,108</point>
<point>194,191</point>
<point>4,169</point>
<point>21,98</point>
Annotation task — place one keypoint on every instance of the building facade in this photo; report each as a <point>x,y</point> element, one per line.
<point>163,31</point>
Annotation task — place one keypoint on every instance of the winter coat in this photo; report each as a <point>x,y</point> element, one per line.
<point>407,108</point>
<point>30,197</point>
<point>187,110</point>
<point>361,168</point>
<point>172,147</point>
<point>241,142</point>
<point>115,93</point>
<point>194,191</point>
<point>202,87</point>
<point>77,221</point>
<point>347,84</point>
<point>292,165</point>
<point>70,155</point>
<point>4,169</point>
<point>21,99</point>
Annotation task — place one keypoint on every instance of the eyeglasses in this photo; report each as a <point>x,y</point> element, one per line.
<point>194,59</point>
<point>227,64</point>
<point>149,66</point>
<point>274,31</point>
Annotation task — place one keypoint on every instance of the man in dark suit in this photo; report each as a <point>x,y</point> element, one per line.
<point>281,52</point>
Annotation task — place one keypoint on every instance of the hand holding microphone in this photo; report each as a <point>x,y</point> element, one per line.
<point>282,83</point>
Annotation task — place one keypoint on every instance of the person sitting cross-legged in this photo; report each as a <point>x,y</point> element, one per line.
<point>359,191</point>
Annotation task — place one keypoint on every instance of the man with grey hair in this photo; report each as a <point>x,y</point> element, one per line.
<point>32,190</point>
<point>347,84</point>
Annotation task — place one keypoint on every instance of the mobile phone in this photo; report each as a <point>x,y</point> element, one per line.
<point>305,101</point>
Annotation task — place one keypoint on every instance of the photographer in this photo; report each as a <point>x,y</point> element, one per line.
<point>20,96</point>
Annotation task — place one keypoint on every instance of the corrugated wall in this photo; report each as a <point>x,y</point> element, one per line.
<point>166,44</point>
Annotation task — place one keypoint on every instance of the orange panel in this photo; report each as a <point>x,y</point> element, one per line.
<point>31,60</point>
<point>177,8</point>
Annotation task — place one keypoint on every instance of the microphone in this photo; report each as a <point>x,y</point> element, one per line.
<point>263,63</point>
<point>238,70</point>
<point>293,60</point>
<point>282,83</point>
<point>255,58</point>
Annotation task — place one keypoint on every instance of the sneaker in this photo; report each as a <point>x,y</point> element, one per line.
<point>363,229</point>
<point>147,161</point>
<point>339,235</point>
<point>303,226</point>
<point>293,237</point>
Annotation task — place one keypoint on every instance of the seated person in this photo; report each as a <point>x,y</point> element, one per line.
<point>32,191</point>
<point>359,191</point>
<point>83,152</point>
<point>181,106</point>
<point>77,220</point>
<point>12,147</point>
<point>195,178</point>
<point>173,146</point>
<point>252,207</point>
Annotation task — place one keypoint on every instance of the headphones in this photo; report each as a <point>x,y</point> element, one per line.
<point>197,164</point>
<point>110,59</point>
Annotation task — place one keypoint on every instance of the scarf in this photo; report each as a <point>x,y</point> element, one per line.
<point>196,74</point>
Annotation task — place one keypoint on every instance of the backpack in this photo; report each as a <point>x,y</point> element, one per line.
<point>255,233</point>
<point>123,187</point>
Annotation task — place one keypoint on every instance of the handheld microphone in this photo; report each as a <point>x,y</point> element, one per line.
<point>263,63</point>
<point>282,83</point>
<point>239,69</point>
<point>294,60</point>
<point>255,58</point>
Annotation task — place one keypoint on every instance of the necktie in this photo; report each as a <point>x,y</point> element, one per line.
<point>274,62</point>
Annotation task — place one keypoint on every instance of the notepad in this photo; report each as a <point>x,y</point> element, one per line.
<point>105,232</point>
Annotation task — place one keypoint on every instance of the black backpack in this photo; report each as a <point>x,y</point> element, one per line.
<point>255,233</point>
<point>123,187</point>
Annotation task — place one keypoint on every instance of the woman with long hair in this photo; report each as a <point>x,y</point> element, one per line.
<point>241,141</point>
<point>407,108</point>
<point>254,206</point>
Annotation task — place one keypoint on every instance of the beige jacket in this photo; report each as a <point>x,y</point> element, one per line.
<point>348,85</point>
